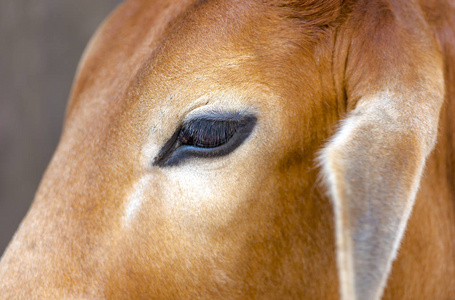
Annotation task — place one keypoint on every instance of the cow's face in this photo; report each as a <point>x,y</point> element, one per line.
<point>187,166</point>
<point>187,163</point>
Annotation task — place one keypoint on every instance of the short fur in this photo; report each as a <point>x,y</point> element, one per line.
<point>368,86</point>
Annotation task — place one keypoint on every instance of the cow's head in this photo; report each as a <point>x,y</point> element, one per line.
<point>188,165</point>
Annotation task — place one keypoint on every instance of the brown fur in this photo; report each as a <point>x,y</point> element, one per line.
<point>256,224</point>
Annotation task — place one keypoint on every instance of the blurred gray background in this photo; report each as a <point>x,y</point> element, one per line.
<point>41,42</point>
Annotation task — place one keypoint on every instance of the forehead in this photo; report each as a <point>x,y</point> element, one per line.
<point>162,60</point>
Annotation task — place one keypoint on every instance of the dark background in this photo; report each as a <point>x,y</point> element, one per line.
<point>41,42</point>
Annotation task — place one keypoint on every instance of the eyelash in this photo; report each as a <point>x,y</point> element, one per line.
<point>206,133</point>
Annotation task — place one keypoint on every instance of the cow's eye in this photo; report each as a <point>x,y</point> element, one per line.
<point>211,135</point>
<point>207,133</point>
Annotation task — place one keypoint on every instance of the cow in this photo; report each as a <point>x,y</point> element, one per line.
<point>254,149</point>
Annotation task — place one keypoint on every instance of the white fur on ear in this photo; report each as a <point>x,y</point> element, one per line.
<point>372,168</point>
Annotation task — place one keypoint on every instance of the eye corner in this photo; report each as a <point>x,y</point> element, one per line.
<point>166,151</point>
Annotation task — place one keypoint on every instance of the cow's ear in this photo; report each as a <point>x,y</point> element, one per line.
<point>373,164</point>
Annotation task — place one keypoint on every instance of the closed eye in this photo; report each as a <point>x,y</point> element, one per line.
<point>208,133</point>
<point>212,135</point>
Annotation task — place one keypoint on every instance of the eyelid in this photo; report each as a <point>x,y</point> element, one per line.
<point>208,132</point>
<point>173,153</point>
<point>214,114</point>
